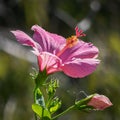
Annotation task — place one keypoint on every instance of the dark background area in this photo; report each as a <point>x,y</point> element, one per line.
<point>100,19</point>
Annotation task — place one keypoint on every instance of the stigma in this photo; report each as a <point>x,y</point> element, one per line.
<point>71,41</point>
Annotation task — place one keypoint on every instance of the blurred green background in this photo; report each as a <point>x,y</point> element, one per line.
<point>100,19</point>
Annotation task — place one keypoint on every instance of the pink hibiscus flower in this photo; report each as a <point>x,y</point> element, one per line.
<point>100,102</point>
<point>55,53</point>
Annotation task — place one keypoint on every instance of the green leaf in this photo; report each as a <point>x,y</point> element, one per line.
<point>41,112</point>
<point>45,118</point>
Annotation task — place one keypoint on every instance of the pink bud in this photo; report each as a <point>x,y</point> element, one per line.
<point>100,102</point>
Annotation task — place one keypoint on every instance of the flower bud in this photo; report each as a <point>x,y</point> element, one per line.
<point>99,102</point>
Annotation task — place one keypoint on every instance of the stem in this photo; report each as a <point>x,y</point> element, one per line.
<point>64,112</point>
<point>42,112</point>
<point>35,102</point>
<point>49,100</point>
<point>35,116</point>
<point>40,79</point>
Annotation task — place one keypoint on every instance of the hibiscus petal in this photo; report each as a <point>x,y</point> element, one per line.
<point>49,62</point>
<point>80,50</point>
<point>48,41</point>
<point>23,38</point>
<point>79,68</point>
<point>86,50</point>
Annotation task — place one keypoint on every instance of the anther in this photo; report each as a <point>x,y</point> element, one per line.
<point>71,41</point>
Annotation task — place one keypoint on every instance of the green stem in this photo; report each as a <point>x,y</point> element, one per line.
<point>64,112</point>
<point>49,100</point>
<point>35,116</point>
<point>40,79</point>
<point>35,102</point>
<point>42,112</point>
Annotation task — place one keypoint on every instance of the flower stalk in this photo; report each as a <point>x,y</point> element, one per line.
<point>64,112</point>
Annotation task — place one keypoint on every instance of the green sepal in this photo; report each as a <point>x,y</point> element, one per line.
<point>53,85</point>
<point>41,78</point>
<point>82,104</point>
<point>34,74</point>
<point>41,112</point>
<point>55,105</point>
<point>39,99</point>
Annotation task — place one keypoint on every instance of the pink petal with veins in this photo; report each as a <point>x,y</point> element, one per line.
<point>49,62</point>
<point>48,41</point>
<point>78,68</point>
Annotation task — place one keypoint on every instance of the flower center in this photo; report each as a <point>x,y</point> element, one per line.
<point>71,41</point>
